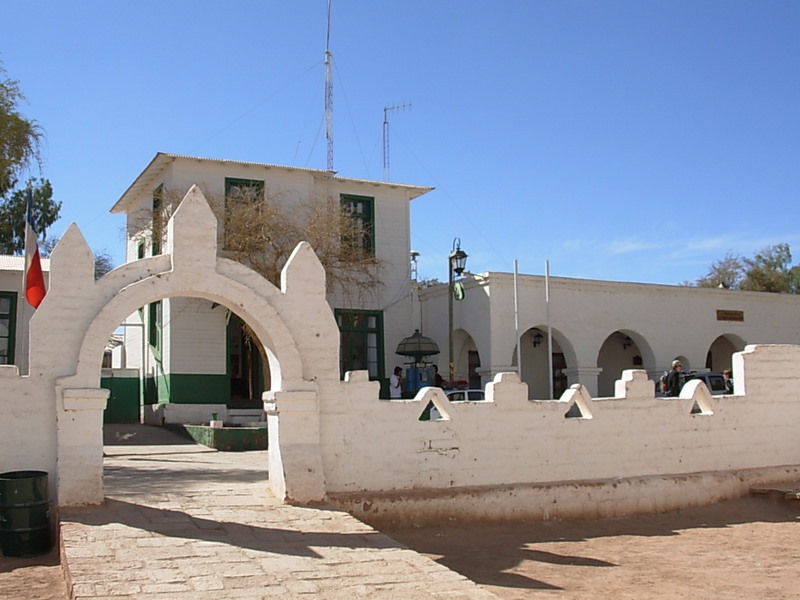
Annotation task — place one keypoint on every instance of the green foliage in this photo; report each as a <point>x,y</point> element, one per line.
<point>727,272</point>
<point>12,215</point>
<point>769,270</point>
<point>19,137</point>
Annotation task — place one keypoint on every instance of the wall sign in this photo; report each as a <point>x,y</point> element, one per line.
<point>730,315</point>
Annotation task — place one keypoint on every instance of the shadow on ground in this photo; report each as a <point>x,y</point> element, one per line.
<point>490,553</point>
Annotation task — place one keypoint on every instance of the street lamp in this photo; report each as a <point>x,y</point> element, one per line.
<point>455,265</point>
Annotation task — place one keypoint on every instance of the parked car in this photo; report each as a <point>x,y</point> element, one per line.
<point>465,395</point>
<point>715,382</point>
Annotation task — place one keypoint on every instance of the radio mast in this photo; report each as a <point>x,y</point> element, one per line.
<point>329,93</point>
<point>386,136</point>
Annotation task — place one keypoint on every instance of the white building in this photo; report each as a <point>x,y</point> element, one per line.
<point>194,350</point>
<point>15,312</point>
<point>598,329</point>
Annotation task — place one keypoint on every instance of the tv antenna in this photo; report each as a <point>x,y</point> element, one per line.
<point>329,93</point>
<point>386,136</point>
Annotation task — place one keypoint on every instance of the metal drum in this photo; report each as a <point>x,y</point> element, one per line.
<point>24,514</point>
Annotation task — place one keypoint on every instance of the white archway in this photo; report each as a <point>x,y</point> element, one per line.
<point>295,323</point>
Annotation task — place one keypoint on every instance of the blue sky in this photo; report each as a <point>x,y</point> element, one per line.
<point>629,140</point>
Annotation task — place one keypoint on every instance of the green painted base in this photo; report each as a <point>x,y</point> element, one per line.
<point>228,439</point>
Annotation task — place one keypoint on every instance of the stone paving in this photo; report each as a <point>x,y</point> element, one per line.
<point>182,521</point>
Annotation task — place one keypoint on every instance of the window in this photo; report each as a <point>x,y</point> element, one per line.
<point>8,325</point>
<point>155,326</point>
<point>362,211</point>
<point>237,193</point>
<point>158,219</point>
<point>361,341</point>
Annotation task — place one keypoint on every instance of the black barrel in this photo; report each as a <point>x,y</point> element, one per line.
<point>24,514</point>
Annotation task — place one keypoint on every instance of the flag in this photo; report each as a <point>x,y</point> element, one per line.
<point>34,279</point>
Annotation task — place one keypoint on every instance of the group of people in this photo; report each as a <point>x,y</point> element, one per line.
<point>396,381</point>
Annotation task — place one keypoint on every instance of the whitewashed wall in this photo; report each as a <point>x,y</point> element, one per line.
<point>511,457</point>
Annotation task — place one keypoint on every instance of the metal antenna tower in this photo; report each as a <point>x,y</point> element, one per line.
<point>386,136</point>
<point>329,93</point>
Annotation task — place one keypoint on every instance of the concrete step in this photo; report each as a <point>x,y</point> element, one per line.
<point>246,416</point>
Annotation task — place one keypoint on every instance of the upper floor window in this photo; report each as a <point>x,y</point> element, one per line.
<point>239,195</point>
<point>361,235</point>
<point>8,325</point>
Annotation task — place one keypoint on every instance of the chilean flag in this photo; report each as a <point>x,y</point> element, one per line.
<point>34,279</point>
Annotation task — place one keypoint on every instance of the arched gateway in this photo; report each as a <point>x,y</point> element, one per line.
<point>70,329</point>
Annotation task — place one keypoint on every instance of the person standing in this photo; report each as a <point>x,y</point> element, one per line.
<point>728,376</point>
<point>395,384</point>
<point>674,379</point>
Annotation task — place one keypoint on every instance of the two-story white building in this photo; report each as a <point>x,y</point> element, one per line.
<point>194,352</point>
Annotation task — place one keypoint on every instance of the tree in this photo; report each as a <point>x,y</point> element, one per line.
<point>13,211</point>
<point>261,230</point>
<point>19,146</point>
<point>769,270</point>
<point>727,272</point>
<point>19,137</point>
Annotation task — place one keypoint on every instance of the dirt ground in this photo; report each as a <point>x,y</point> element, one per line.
<point>745,548</point>
<point>37,578</point>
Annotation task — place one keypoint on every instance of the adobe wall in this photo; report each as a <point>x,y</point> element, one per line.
<point>511,457</point>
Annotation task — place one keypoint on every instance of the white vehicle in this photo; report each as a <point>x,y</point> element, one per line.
<point>465,395</point>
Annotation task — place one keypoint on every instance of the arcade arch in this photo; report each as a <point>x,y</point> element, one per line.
<point>721,350</point>
<point>534,365</point>
<point>621,350</point>
<point>467,360</point>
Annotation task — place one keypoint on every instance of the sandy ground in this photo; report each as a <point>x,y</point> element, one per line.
<point>38,578</point>
<point>745,548</point>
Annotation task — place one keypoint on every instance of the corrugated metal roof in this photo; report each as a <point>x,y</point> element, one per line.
<point>152,173</point>
<point>17,263</point>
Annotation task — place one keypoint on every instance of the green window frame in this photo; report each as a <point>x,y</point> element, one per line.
<point>155,326</point>
<point>8,327</point>
<point>362,211</point>
<point>158,219</point>
<point>361,341</point>
<point>237,191</point>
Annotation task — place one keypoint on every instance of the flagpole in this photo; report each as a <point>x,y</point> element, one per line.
<point>549,330</point>
<point>33,278</point>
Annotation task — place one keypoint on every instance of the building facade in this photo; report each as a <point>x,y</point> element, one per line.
<point>195,352</point>
<point>598,329</point>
